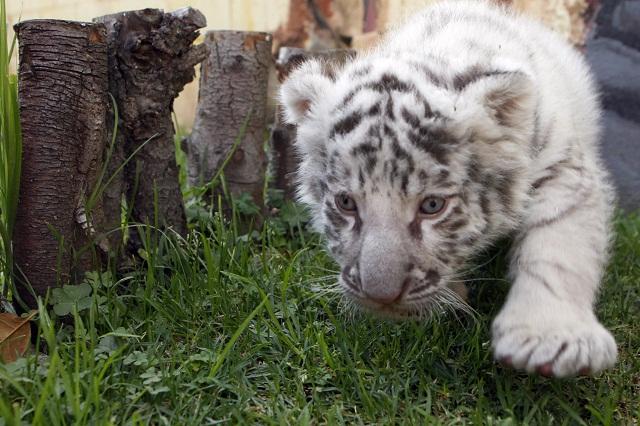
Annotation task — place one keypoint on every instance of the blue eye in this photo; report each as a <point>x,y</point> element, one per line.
<point>346,203</point>
<point>431,206</point>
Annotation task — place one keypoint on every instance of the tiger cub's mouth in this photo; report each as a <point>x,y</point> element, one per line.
<point>406,306</point>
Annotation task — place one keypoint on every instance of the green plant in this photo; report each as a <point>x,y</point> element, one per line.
<point>10,150</point>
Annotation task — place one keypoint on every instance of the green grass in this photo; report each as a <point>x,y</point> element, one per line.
<point>221,327</point>
<point>10,153</point>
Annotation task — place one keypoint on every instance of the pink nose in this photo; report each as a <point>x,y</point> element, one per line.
<point>384,300</point>
<point>390,295</point>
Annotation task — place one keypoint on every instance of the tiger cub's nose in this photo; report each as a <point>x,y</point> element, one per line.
<point>386,294</point>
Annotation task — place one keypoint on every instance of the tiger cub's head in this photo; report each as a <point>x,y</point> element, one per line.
<point>408,173</point>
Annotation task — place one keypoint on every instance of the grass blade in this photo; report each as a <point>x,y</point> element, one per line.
<point>227,348</point>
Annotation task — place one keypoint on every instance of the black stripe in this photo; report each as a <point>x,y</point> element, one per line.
<point>410,118</point>
<point>318,189</point>
<point>404,183</point>
<point>374,110</point>
<point>361,72</point>
<point>371,163</point>
<point>389,83</point>
<point>432,142</point>
<point>364,149</point>
<point>428,112</point>
<point>541,279</point>
<point>473,74</point>
<point>432,277</point>
<point>579,203</point>
<point>415,228</point>
<point>428,74</point>
<point>389,108</point>
<point>352,94</point>
<point>504,186</point>
<point>442,178</point>
<point>485,205</point>
<point>347,124</point>
<point>423,177</point>
<point>538,183</point>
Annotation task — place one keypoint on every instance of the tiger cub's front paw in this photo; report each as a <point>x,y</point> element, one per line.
<point>558,343</point>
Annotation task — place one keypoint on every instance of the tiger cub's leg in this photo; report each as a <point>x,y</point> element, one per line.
<point>547,324</point>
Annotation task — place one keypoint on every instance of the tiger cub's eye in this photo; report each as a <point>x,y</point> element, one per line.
<point>346,203</point>
<point>432,206</point>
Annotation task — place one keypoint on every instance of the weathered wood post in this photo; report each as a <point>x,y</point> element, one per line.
<point>63,103</point>
<point>232,103</point>
<point>151,58</point>
<point>284,160</point>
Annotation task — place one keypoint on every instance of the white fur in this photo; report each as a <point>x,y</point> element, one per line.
<point>562,227</point>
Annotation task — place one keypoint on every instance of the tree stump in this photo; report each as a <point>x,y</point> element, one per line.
<point>63,103</point>
<point>284,160</point>
<point>232,102</point>
<point>151,58</point>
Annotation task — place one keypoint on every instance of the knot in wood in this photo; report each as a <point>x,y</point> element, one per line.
<point>238,156</point>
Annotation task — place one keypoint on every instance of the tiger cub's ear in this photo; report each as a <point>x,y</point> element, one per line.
<point>506,98</point>
<point>302,91</point>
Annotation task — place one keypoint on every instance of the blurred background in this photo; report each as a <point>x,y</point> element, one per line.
<point>608,31</point>
<point>357,21</point>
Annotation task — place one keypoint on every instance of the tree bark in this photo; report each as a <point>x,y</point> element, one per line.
<point>63,103</point>
<point>151,58</point>
<point>232,102</point>
<point>284,160</point>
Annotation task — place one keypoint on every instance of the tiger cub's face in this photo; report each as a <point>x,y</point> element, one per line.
<point>408,176</point>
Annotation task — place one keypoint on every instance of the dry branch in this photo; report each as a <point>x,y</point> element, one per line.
<point>63,101</point>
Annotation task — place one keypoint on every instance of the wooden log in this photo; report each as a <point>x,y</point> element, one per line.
<point>151,58</point>
<point>63,103</point>
<point>284,161</point>
<point>232,102</point>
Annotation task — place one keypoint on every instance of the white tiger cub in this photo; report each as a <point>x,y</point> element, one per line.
<point>467,123</point>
